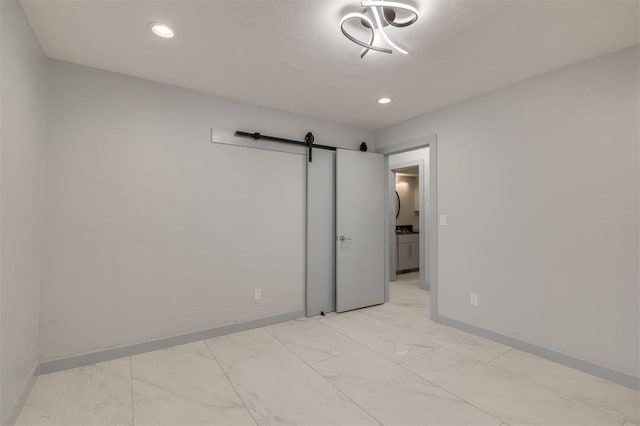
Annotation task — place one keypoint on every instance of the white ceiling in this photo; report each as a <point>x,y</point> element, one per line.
<point>291,55</point>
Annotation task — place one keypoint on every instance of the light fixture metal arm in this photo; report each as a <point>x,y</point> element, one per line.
<point>377,9</point>
<point>367,46</point>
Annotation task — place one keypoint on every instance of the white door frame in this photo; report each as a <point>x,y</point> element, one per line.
<point>431,142</point>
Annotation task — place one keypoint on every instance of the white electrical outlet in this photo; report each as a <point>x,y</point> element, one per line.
<point>257,294</point>
<point>474,299</point>
<point>443,220</point>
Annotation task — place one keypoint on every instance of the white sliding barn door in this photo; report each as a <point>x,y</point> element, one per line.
<point>360,229</point>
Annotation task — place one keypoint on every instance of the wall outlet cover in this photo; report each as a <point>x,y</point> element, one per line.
<point>474,299</point>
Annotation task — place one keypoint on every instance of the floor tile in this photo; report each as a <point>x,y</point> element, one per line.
<point>184,387</point>
<point>406,291</point>
<point>394,343</point>
<point>386,363</point>
<point>311,341</point>
<point>438,334</point>
<point>280,389</point>
<point>396,314</point>
<point>615,400</point>
<point>408,298</point>
<point>99,394</point>
<point>503,394</point>
<point>396,396</point>
<point>417,321</point>
<point>245,344</point>
<point>467,344</point>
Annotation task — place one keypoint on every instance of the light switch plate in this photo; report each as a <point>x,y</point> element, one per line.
<point>443,220</point>
<point>257,294</point>
<point>474,299</point>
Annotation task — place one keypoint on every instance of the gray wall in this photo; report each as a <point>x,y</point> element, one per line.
<point>150,230</point>
<point>22,88</point>
<point>540,185</point>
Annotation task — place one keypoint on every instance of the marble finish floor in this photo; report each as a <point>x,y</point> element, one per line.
<point>386,365</point>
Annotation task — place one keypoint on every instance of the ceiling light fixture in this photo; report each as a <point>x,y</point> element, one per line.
<point>384,100</point>
<point>378,14</point>
<point>162,30</point>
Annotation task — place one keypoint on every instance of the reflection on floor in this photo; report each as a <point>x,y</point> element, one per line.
<point>409,279</point>
<point>382,365</point>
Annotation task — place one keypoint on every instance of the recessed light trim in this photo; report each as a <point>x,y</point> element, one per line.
<point>384,100</point>
<point>162,30</point>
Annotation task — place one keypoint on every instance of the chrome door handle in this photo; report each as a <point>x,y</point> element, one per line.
<point>343,238</point>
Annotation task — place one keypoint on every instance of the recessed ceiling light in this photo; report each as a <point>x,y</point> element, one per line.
<point>384,100</point>
<point>162,30</point>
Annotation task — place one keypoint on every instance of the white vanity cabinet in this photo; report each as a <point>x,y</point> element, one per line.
<point>408,252</point>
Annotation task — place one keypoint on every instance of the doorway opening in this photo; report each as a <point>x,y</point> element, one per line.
<point>411,251</point>
<point>407,227</point>
<point>408,248</point>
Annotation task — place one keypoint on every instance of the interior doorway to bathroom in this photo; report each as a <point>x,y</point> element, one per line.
<point>408,242</point>
<point>422,153</point>
<point>407,220</point>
